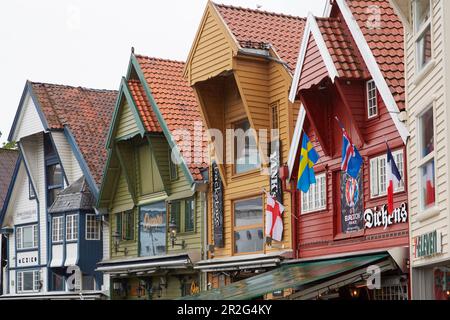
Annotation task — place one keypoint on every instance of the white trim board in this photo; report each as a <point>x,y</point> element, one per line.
<point>296,140</point>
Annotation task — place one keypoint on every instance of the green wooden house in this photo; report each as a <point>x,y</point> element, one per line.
<point>155,180</point>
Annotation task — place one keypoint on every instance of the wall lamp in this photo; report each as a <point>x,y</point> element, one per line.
<point>173,229</point>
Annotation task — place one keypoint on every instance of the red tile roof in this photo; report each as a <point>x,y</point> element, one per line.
<point>178,106</point>
<point>147,115</point>
<point>386,42</point>
<point>8,160</point>
<point>283,32</point>
<point>341,48</point>
<point>86,112</point>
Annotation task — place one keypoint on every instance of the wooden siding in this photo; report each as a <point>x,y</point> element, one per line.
<point>127,124</point>
<point>431,89</point>
<point>211,54</point>
<point>314,69</point>
<point>29,122</point>
<point>70,164</point>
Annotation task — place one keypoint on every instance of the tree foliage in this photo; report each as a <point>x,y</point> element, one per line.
<point>9,144</point>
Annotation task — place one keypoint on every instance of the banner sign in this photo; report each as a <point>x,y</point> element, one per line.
<point>217,206</point>
<point>428,245</point>
<point>352,219</point>
<point>381,218</point>
<point>275,163</point>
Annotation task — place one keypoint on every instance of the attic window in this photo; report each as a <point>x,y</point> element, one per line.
<point>372,101</point>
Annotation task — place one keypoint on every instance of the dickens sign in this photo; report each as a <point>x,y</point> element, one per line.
<point>381,218</point>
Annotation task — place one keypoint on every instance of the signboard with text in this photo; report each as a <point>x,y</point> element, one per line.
<point>217,206</point>
<point>352,219</point>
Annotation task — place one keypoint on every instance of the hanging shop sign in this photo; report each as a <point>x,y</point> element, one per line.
<point>275,162</point>
<point>428,245</point>
<point>351,203</point>
<point>217,194</point>
<point>375,218</point>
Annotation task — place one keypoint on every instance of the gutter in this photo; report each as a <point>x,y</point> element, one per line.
<point>259,53</point>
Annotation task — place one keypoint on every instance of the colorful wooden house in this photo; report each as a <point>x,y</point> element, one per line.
<point>241,66</point>
<point>153,192</point>
<point>54,237</point>
<point>427,30</point>
<point>351,67</point>
<point>8,161</point>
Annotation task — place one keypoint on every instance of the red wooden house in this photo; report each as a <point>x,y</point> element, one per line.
<point>351,66</point>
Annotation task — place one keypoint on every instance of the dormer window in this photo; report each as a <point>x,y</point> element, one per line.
<point>422,32</point>
<point>372,100</point>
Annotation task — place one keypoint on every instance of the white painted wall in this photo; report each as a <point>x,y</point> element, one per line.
<point>69,162</point>
<point>29,121</point>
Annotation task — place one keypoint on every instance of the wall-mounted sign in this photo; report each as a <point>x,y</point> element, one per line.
<point>351,203</point>
<point>217,206</point>
<point>27,259</point>
<point>275,162</point>
<point>428,245</point>
<point>24,217</point>
<point>381,218</point>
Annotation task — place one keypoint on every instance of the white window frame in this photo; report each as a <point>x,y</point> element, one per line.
<point>422,161</point>
<point>19,237</point>
<point>36,281</point>
<point>420,33</point>
<point>58,229</point>
<point>376,187</point>
<point>372,99</point>
<point>72,227</point>
<point>92,230</point>
<point>310,203</point>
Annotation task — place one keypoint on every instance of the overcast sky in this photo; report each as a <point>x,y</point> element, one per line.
<point>87,43</point>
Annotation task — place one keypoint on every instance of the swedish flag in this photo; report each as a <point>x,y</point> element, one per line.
<point>308,158</point>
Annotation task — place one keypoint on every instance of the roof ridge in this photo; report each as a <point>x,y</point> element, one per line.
<point>46,84</point>
<point>278,14</point>
<point>159,59</point>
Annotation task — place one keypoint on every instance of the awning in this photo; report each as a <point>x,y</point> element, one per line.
<point>181,195</point>
<point>308,278</point>
<point>76,295</point>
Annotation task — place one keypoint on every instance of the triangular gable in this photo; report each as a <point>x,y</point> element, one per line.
<point>126,121</point>
<point>29,118</point>
<point>403,9</point>
<point>213,43</point>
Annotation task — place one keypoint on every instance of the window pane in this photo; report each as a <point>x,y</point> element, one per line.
<point>315,198</point>
<point>382,173</point>
<point>427,133</point>
<point>372,99</point>
<point>152,236</point>
<point>428,184</point>
<point>422,13</point>
<point>28,281</point>
<point>246,152</point>
<point>175,213</point>
<point>424,48</point>
<point>54,175</point>
<point>189,216</point>
<point>249,240</point>
<point>28,237</point>
<point>248,212</point>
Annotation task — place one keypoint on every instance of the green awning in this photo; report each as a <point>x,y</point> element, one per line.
<point>294,276</point>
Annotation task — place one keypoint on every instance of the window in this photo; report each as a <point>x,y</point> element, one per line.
<point>172,168</point>
<point>248,226</point>
<point>372,100</point>
<point>246,157</point>
<point>57,229</point>
<point>92,227</point>
<point>378,183</point>
<point>28,281</point>
<point>27,237</point>
<point>128,226</point>
<point>72,227</point>
<point>316,198</point>
<point>31,194</point>
<point>183,215</point>
<point>57,282</point>
<point>55,182</point>
<point>426,154</point>
<point>422,29</point>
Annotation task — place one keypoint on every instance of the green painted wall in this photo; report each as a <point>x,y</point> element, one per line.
<point>127,123</point>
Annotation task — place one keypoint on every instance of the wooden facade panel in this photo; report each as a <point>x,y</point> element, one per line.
<point>127,123</point>
<point>313,67</point>
<point>212,55</point>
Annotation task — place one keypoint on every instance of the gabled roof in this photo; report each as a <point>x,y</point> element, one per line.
<point>176,102</point>
<point>252,27</point>
<point>8,161</point>
<point>85,112</point>
<point>147,115</point>
<point>75,197</point>
<point>386,42</point>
